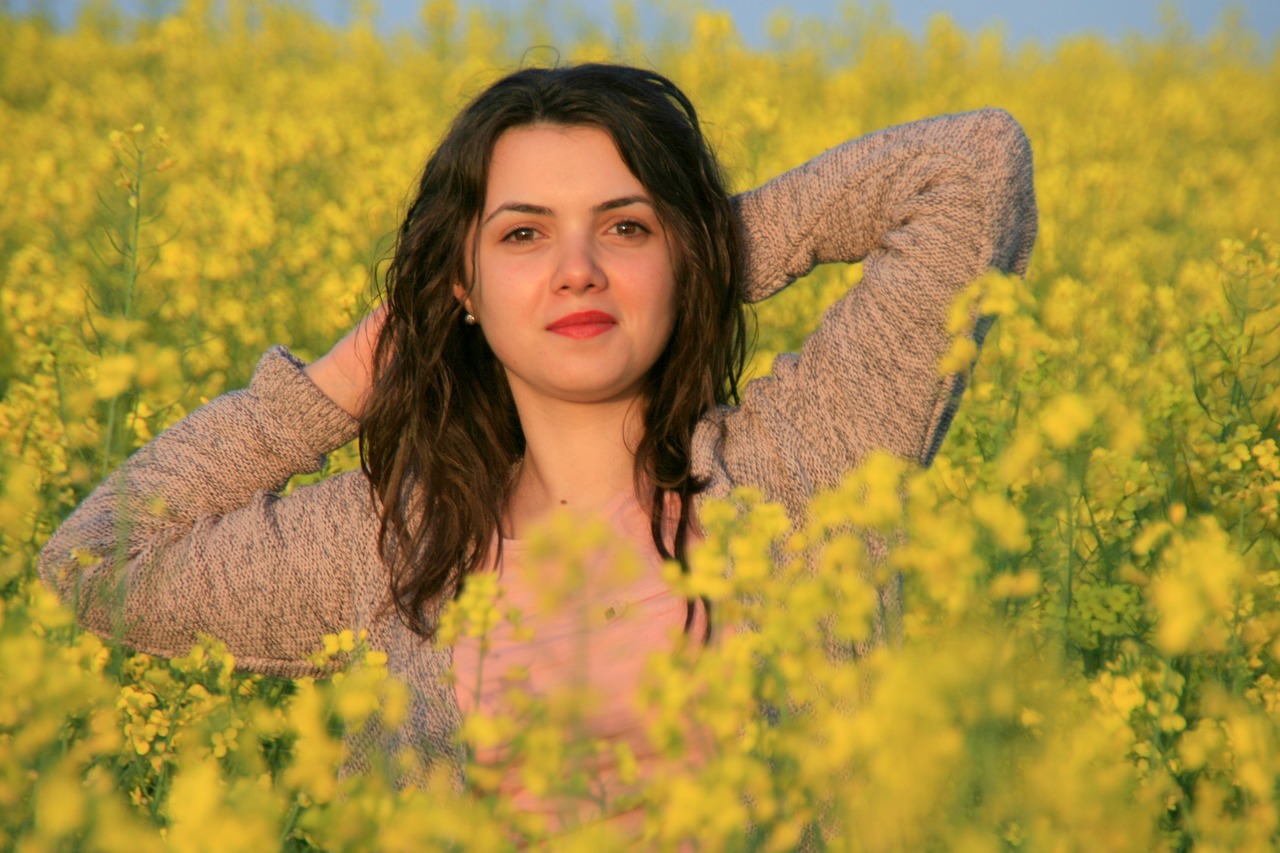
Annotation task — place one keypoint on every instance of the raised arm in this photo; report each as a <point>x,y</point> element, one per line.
<point>190,536</point>
<point>927,207</point>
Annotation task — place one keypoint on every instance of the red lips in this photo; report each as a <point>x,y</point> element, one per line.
<point>583,324</point>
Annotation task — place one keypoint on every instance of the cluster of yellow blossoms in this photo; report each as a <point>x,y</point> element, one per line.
<point>1091,568</point>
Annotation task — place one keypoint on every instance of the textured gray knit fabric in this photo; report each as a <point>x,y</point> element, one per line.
<point>190,536</point>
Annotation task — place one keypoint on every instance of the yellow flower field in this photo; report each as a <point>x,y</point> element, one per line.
<point>1091,567</point>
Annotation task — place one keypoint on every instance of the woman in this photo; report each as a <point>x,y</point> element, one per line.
<point>563,327</point>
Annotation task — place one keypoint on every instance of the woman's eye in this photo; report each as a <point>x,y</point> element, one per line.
<point>630,228</point>
<point>520,235</point>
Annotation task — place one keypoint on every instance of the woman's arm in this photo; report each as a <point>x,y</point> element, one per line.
<point>927,207</point>
<point>190,536</point>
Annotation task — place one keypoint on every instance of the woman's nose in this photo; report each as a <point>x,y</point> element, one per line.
<point>579,269</point>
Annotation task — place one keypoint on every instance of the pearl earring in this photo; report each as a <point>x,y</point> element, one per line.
<point>469,319</point>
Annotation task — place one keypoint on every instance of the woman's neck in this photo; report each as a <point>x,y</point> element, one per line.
<point>577,456</point>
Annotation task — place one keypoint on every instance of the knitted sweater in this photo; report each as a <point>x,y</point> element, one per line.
<point>190,534</point>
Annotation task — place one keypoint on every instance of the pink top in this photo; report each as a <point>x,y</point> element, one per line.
<point>586,630</point>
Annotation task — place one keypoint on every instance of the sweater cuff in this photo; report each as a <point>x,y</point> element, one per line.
<point>298,404</point>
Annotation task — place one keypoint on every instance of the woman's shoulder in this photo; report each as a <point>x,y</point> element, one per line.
<point>746,445</point>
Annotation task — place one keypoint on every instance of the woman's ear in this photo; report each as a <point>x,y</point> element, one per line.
<point>460,293</point>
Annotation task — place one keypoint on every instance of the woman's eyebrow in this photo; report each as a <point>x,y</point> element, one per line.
<point>541,210</point>
<point>519,207</point>
<point>625,200</point>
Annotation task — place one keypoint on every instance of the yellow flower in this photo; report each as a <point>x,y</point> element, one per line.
<point>1065,419</point>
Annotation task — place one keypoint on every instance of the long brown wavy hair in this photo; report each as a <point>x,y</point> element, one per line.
<point>440,436</point>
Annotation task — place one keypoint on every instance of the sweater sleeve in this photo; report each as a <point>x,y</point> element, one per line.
<point>927,207</point>
<point>191,536</point>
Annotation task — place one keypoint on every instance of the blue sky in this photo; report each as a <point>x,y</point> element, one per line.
<point>1042,20</point>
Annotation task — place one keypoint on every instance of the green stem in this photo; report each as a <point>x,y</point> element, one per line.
<point>135,237</point>
<point>1071,567</point>
<point>470,747</point>
<point>129,249</point>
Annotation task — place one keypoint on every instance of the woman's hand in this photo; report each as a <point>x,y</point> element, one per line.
<point>345,373</point>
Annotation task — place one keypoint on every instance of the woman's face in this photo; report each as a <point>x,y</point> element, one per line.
<point>574,287</point>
